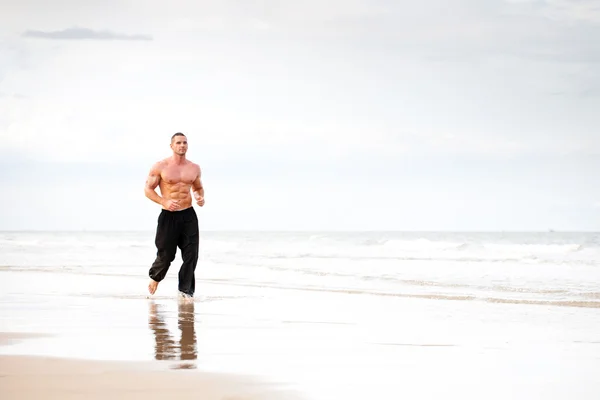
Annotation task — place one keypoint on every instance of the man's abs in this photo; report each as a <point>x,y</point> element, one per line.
<point>179,192</point>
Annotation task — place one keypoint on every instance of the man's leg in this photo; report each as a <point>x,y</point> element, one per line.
<point>166,245</point>
<point>189,242</point>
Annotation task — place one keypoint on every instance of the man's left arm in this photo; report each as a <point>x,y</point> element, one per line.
<point>198,189</point>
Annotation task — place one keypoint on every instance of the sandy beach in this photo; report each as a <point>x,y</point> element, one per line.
<point>300,317</point>
<point>31,377</point>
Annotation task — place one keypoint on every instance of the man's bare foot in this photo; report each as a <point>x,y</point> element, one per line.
<point>185,298</point>
<point>152,286</point>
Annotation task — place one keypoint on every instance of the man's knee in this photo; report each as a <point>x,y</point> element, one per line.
<point>166,256</point>
<point>190,254</point>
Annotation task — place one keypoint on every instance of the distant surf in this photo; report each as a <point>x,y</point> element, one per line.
<point>518,268</point>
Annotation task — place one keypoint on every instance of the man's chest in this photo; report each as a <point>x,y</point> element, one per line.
<point>173,175</point>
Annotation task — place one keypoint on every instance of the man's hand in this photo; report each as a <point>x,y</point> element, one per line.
<point>199,199</point>
<point>171,205</point>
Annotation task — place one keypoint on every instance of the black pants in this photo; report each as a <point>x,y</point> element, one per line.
<point>177,229</point>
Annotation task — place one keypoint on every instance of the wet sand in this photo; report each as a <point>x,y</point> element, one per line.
<point>94,337</point>
<point>7,338</point>
<point>36,377</point>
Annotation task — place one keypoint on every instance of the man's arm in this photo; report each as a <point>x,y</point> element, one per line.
<point>151,183</point>
<point>198,189</point>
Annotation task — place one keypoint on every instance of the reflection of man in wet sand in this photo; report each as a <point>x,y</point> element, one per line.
<point>165,346</point>
<point>177,222</point>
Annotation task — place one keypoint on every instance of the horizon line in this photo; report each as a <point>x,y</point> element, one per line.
<point>310,230</point>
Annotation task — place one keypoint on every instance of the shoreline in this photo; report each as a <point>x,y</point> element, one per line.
<point>152,231</point>
<point>8,338</point>
<point>36,376</point>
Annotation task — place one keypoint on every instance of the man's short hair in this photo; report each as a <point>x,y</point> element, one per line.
<point>177,134</point>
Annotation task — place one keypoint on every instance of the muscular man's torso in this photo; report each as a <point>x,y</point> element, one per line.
<point>176,181</point>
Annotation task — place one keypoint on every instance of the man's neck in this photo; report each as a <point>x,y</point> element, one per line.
<point>177,159</point>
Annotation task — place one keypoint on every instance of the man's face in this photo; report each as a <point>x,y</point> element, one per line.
<point>179,145</point>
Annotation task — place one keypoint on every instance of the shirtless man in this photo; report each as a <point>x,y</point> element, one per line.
<point>177,221</point>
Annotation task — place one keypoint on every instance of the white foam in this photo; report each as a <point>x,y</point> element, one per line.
<point>540,267</point>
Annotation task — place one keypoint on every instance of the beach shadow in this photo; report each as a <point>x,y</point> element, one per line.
<point>166,346</point>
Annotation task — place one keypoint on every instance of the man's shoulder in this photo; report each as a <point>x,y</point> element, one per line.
<point>194,165</point>
<point>160,165</point>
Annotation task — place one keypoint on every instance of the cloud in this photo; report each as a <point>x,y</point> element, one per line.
<point>571,11</point>
<point>334,79</point>
<point>471,114</point>
<point>13,95</point>
<point>83,33</point>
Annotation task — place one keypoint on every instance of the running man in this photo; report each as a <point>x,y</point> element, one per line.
<point>177,221</point>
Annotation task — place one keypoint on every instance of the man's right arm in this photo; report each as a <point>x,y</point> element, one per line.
<point>151,183</point>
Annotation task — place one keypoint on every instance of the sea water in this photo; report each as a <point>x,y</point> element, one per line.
<point>337,314</point>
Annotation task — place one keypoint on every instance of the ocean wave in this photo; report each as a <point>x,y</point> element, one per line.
<point>123,271</point>
<point>278,276</point>
<point>444,247</point>
<point>529,259</point>
<point>581,247</point>
<point>430,283</point>
<point>381,248</point>
<point>430,296</point>
<point>582,300</point>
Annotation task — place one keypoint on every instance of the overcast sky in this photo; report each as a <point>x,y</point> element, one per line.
<point>403,115</point>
